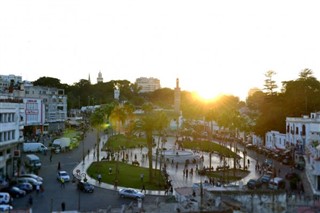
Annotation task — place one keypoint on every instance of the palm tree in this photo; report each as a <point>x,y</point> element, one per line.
<point>161,124</point>
<point>98,121</point>
<point>147,124</point>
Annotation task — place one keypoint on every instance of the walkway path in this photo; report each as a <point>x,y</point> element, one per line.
<point>176,175</point>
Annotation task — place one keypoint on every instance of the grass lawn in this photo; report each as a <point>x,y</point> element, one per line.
<point>129,175</point>
<point>115,142</point>
<point>229,174</point>
<point>208,146</point>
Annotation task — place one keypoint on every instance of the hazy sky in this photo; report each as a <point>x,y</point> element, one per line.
<point>211,46</point>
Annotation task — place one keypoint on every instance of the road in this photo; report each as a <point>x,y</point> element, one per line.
<point>54,194</point>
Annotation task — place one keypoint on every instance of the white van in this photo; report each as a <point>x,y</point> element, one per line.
<point>277,183</point>
<point>33,161</point>
<point>34,147</point>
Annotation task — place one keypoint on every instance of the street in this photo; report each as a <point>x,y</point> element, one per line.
<point>54,194</point>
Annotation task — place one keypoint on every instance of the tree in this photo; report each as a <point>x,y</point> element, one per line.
<point>270,85</point>
<point>98,121</point>
<point>147,124</point>
<point>48,82</point>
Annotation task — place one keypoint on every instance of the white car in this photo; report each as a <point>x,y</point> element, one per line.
<point>63,175</point>
<point>5,208</point>
<point>33,182</point>
<point>131,193</point>
<point>34,176</point>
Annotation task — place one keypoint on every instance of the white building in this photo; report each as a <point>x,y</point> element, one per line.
<point>148,84</point>
<point>55,105</point>
<point>303,135</point>
<point>11,134</point>
<point>275,140</point>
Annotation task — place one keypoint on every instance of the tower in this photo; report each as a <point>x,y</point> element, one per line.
<point>177,97</point>
<point>99,79</point>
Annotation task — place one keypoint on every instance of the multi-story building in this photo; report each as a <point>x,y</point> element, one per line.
<point>302,139</point>
<point>275,140</point>
<point>55,105</point>
<point>11,134</point>
<point>148,84</point>
<point>9,80</point>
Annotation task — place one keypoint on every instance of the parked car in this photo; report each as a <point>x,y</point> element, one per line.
<point>5,198</point>
<point>27,187</point>
<point>34,176</point>
<point>63,175</point>
<point>5,208</point>
<point>14,191</point>
<point>254,184</point>
<point>32,181</point>
<point>265,178</point>
<point>131,193</point>
<point>85,187</point>
<point>277,183</point>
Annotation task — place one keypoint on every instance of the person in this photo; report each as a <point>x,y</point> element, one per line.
<point>141,177</point>
<point>59,166</point>
<point>99,178</point>
<point>50,158</point>
<point>30,200</point>
<point>143,188</point>
<point>110,170</point>
<point>62,182</point>
<point>63,206</point>
<point>38,189</point>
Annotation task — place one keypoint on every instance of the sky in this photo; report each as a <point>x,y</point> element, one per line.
<point>213,47</point>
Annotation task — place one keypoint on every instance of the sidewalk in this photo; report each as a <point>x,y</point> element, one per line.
<point>175,174</point>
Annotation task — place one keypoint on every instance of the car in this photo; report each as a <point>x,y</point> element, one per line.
<point>131,193</point>
<point>254,184</point>
<point>63,175</point>
<point>265,178</point>
<point>32,181</point>
<point>14,191</point>
<point>85,186</point>
<point>34,176</point>
<point>27,187</point>
<point>5,198</point>
<point>5,208</point>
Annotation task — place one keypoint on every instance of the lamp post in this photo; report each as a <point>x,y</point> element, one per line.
<point>84,179</point>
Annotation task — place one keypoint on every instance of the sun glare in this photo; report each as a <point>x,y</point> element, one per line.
<point>207,95</point>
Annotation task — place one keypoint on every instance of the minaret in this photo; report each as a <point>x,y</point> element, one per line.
<point>99,79</point>
<point>89,79</point>
<point>177,97</point>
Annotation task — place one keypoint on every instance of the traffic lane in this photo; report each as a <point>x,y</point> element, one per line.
<point>73,199</point>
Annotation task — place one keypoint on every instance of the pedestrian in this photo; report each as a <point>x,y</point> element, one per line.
<point>110,170</point>
<point>143,188</point>
<point>30,200</point>
<point>59,166</point>
<point>38,189</point>
<point>63,206</point>
<point>62,183</point>
<point>41,190</point>
<point>99,178</point>
<point>50,157</point>
<point>141,177</point>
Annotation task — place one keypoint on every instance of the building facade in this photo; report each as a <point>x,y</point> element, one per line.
<point>11,134</point>
<point>148,84</point>
<point>55,105</point>
<point>275,140</point>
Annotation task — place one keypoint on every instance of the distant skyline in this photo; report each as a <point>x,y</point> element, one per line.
<point>211,46</point>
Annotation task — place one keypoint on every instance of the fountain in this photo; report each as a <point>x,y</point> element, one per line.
<point>178,156</point>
